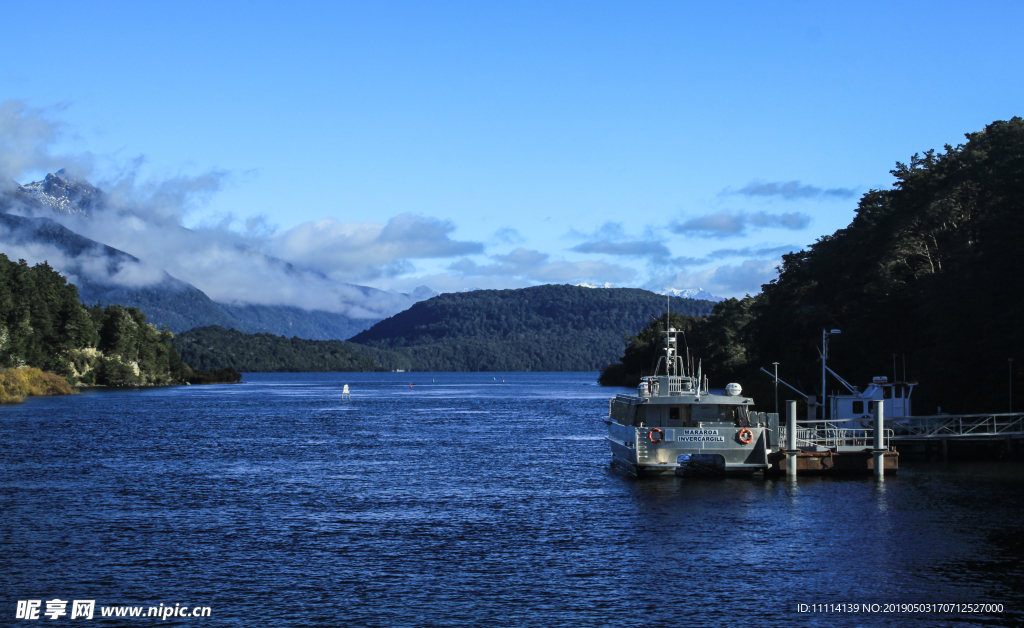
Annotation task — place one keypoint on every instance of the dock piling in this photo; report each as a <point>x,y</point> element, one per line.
<point>879,450</point>
<point>791,450</point>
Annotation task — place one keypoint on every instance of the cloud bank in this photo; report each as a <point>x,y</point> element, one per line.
<point>314,264</point>
<point>790,191</point>
<point>360,251</point>
<point>27,136</point>
<point>728,224</point>
<point>309,266</point>
<point>534,265</point>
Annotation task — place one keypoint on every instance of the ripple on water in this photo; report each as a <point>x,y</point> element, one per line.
<point>466,501</point>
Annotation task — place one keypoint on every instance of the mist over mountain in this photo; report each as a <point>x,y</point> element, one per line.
<point>70,224</point>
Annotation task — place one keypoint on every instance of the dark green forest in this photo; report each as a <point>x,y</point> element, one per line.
<point>928,274</point>
<point>215,347</point>
<point>544,328</point>
<point>43,325</point>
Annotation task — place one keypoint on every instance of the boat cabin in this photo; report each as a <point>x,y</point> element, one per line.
<point>894,397</point>
<point>673,401</point>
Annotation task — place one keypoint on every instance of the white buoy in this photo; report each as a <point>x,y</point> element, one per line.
<point>345,392</point>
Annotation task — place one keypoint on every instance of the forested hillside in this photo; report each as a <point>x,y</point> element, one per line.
<point>43,325</point>
<point>544,328</point>
<point>928,271</point>
<point>215,347</point>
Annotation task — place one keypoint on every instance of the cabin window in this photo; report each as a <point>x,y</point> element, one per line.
<point>705,413</point>
<point>887,392</point>
<point>737,414</point>
<point>858,407</point>
<point>899,392</point>
<point>673,414</point>
<point>654,416</point>
<point>638,415</point>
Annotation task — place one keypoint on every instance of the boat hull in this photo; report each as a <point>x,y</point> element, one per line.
<point>707,450</point>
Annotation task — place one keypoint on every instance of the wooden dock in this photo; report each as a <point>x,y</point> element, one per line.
<point>823,461</point>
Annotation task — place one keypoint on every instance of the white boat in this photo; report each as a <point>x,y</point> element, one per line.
<point>860,405</point>
<point>675,424</point>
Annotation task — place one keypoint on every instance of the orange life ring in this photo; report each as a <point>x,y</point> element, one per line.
<point>650,435</point>
<point>745,436</point>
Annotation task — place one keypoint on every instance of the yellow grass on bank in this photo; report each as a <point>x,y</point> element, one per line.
<point>27,380</point>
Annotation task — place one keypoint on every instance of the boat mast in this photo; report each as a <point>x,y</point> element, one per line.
<point>670,361</point>
<point>826,414</point>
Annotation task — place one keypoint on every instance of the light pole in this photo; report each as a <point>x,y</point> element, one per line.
<point>824,356</point>
<point>776,388</point>
<point>1011,385</point>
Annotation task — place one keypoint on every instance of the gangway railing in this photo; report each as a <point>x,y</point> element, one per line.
<point>959,426</point>
<point>826,434</point>
<point>964,426</point>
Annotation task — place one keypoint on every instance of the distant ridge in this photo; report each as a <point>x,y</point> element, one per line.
<point>543,328</point>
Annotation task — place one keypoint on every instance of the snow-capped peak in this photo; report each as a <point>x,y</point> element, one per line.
<point>691,293</point>
<point>64,195</point>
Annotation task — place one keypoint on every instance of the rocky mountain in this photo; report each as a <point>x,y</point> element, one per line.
<point>62,194</point>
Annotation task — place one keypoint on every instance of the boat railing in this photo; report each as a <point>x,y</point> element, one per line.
<point>677,385</point>
<point>964,425</point>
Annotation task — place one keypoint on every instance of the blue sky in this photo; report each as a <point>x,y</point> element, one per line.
<point>460,145</point>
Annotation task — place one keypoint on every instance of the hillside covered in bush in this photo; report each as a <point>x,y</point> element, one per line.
<point>43,325</point>
<point>214,347</point>
<point>543,328</point>
<point>927,272</point>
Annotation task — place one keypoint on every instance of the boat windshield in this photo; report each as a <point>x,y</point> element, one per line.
<point>711,413</point>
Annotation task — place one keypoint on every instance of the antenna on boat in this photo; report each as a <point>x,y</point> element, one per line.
<point>687,345</point>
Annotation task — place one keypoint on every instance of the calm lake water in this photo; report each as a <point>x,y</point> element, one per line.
<point>464,500</point>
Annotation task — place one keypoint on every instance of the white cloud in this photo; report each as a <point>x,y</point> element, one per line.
<point>726,224</point>
<point>93,263</point>
<point>508,235</point>
<point>790,190</point>
<point>536,266</point>
<point>636,248</point>
<point>357,251</point>
<point>27,135</point>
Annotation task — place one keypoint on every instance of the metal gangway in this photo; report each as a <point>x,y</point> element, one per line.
<point>831,434</point>
<point>959,427</point>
